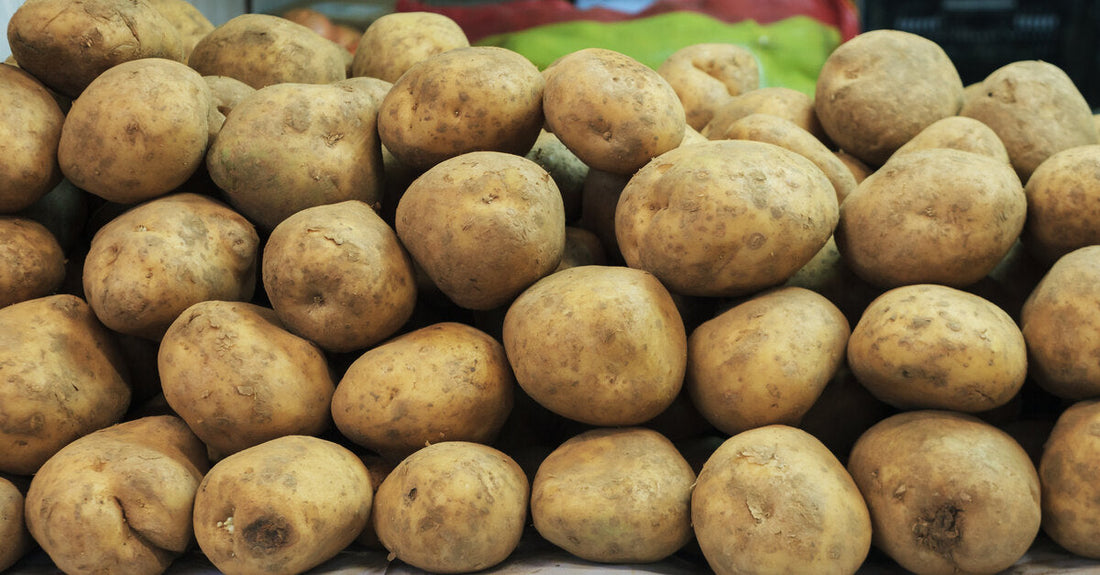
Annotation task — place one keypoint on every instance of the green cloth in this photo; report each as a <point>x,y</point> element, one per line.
<point>790,52</point>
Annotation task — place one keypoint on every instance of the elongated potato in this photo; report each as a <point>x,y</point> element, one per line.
<point>1067,468</point>
<point>30,129</point>
<point>13,527</point>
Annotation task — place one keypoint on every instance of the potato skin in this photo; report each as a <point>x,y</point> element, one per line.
<point>948,493</point>
<point>65,378</point>
<point>1063,203</point>
<point>1067,472</point>
<point>32,264</point>
<point>281,507</point>
<point>13,527</point>
<point>394,42</point>
<point>959,133</point>
<point>775,500</point>
<point>706,75</point>
<point>119,499</point>
<point>191,24</point>
<point>30,128</point>
<point>786,103</point>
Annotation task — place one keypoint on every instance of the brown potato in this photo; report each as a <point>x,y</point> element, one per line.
<point>238,378</point>
<point>181,249</point>
<point>338,276</point>
<point>775,500</point>
<point>155,115</point>
<point>612,111</point>
<point>482,98</point>
<point>263,49</point>
<point>1063,203</point>
<point>829,275</point>
<point>603,345</point>
<point>68,44</point>
<point>881,88</point>
<point>30,129</point>
<point>707,75</point>
<point>13,528</point>
<point>64,378</point>
<point>582,248</point>
<point>766,360</point>
<point>282,507</point>
<point>32,264</point>
<point>599,199</point>
<point>619,495</point>
<point>188,20</point>
<point>859,169</point>
<point>483,226</point>
<point>948,493</point>
<point>935,347</point>
<point>1036,110</point>
<point>725,218</point>
<point>119,499</point>
<point>787,103</point>
<point>452,507</point>
<point>932,216</point>
<point>959,133</point>
<point>394,42</point>
<point>226,93</point>
<point>1067,472</point>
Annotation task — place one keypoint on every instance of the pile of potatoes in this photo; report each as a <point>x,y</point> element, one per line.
<point>266,299</point>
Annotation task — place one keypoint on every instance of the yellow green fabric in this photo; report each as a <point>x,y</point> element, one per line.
<point>790,51</point>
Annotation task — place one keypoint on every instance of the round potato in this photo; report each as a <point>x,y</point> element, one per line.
<point>483,226</point>
<point>932,216</point>
<point>32,264</point>
<point>775,500</point>
<point>948,493</point>
<point>481,98</point>
<point>1060,321</point>
<point>726,217</point>
<point>612,111</point>
<point>707,75</point>
<point>1063,203</point>
<point>452,507</point>
<point>30,129</point>
<point>188,20</point>
<point>619,495</point>
<point>787,103</point>
<point>881,88</point>
<point>181,249</point>
<point>64,378</point>
<point>959,133</point>
<point>935,347</point>
<point>1067,472</point>
<point>138,131</point>
<point>119,499</point>
<point>766,360</point>
<point>599,199</point>
<point>394,42</point>
<point>1035,109</point>
<point>226,93</point>
<point>603,345</point>
<point>263,49</point>
<point>338,276</point>
<point>238,378</point>
<point>859,169</point>
<point>281,507</point>
<point>582,248</point>
<point>444,382</point>
<point>13,527</point>
<point>68,44</point>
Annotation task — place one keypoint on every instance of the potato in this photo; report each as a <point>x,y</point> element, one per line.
<point>188,20</point>
<point>786,134</point>
<point>707,75</point>
<point>568,171</point>
<point>32,264</point>
<point>119,499</point>
<point>281,507</point>
<point>859,169</point>
<point>483,226</point>
<point>263,49</point>
<point>599,199</point>
<point>787,103</point>
<point>881,88</point>
<point>603,345</point>
<point>138,131</point>
<point>775,500</point>
<point>238,378</point>
<point>1035,109</point>
<point>620,495</point>
<point>766,360</point>
<point>30,129</point>
<point>947,492</point>
<point>932,216</point>
<point>843,411</point>
<point>1063,203</point>
<point>482,98</point>
<point>444,382</point>
<point>226,93</point>
<point>1060,321</point>
<point>582,248</point>
<point>1067,473</point>
<point>394,42</point>
<point>612,111</point>
<point>338,276</point>
<point>452,507</point>
<point>829,275</point>
<point>725,218</point>
<point>934,347</point>
<point>180,249</point>
<point>293,146</point>
<point>64,378</point>
<point>68,44</point>
<point>13,528</point>
<point>959,133</point>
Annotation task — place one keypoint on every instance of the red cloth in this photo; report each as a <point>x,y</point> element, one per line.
<point>489,18</point>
